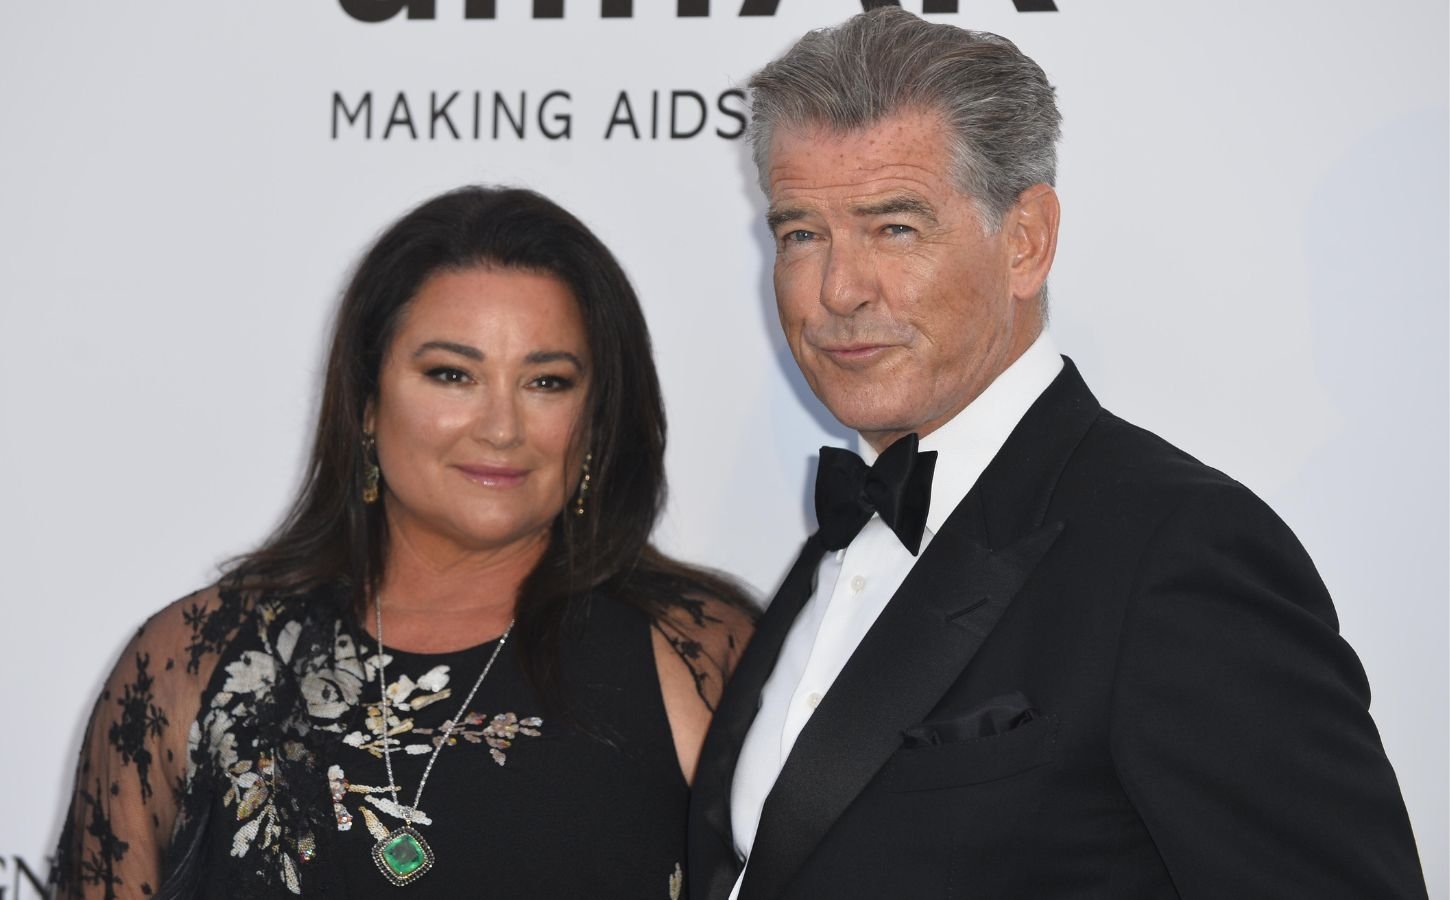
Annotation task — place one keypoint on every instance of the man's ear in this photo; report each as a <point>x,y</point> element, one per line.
<point>1032,239</point>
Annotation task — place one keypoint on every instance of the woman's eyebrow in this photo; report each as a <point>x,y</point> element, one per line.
<point>548,356</point>
<point>451,347</point>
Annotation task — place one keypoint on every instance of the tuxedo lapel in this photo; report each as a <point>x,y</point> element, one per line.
<point>922,642</point>
<point>914,652</point>
<point>712,841</point>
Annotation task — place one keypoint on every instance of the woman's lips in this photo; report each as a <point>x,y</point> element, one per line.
<point>494,476</point>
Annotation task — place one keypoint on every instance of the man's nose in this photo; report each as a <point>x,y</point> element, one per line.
<point>849,281</point>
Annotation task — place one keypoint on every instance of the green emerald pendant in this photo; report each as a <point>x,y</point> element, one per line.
<point>403,856</point>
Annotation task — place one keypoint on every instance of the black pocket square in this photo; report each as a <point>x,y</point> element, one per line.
<point>996,716</point>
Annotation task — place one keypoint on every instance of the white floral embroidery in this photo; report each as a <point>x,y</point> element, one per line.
<point>331,687</point>
<point>220,739</point>
<point>255,671</point>
<point>401,696</point>
<point>333,682</point>
<point>251,791</point>
<point>435,680</point>
<point>287,641</point>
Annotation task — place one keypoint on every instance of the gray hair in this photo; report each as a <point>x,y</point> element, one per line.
<point>999,109</point>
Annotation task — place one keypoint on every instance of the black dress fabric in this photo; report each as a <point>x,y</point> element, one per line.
<point>281,788</point>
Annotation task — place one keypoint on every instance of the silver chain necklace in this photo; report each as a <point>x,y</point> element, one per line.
<point>402,855</point>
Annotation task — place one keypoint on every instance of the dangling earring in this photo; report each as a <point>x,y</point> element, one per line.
<point>370,469</point>
<point>583,486</point>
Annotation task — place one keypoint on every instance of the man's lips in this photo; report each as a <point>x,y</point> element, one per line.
<point>854,354</point>
<point>493,476</point>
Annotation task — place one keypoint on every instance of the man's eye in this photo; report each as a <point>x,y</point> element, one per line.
<point>448,375</point>
<point>799,236</point>
<point>898,229</point>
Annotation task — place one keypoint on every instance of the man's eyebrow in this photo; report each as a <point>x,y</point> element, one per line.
<point>896,206</point>
<point>451,347</point>
<point>539,357</point>
<point>777,217</point>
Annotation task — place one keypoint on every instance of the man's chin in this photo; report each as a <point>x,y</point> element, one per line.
<point>870,424</point>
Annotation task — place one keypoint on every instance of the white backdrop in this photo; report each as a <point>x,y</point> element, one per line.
<point>1253,264</point>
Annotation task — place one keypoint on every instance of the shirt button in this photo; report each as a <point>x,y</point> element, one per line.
<point>813,699</point>
<point>858,584</point>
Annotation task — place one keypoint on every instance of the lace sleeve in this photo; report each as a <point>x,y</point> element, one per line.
<point>131,776</point>
<point>707,635</point>
<point>697,644</point>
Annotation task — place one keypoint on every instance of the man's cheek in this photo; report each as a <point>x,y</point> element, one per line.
<point>794,304</point>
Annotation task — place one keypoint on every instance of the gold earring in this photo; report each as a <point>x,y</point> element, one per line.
<point>583,486</point>
<point>371,473</point>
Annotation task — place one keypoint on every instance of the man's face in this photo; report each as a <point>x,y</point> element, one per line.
<point>899,306</point>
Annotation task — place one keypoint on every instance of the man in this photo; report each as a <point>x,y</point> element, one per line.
<point>1076,662</point>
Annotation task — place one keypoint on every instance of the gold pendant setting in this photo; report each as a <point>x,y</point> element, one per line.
<point>403,856</point>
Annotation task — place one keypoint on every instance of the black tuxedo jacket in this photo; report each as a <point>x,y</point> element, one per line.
<point>1114,673</point>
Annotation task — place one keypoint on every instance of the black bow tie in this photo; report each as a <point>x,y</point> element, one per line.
<point>897,486</point>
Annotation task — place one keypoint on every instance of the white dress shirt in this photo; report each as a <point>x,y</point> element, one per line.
<point>853,585</point>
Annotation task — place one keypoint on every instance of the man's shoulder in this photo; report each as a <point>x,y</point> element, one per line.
<point>1129,489</point>
<point>1119,466</point>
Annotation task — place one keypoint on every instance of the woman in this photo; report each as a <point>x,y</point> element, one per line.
<point>458,665</point>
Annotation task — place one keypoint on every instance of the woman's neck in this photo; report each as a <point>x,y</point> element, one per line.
<point>438,597</point>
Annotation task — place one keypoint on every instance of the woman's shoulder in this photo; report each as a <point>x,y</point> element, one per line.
<point>707,624</point>
<point>704,614</point>
<point>191,636</point>
<point>198,657</point>
<point>698,638</point>
<point>182,638</point>
<point>702,635</point>
<point>149,732</point>
<point>158,683</point>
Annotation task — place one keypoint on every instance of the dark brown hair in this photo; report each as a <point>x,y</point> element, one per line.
<point>331,538</point>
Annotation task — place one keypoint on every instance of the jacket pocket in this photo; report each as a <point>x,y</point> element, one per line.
<point>974,761</point>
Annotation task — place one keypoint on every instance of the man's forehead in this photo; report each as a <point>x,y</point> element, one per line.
<point>907,152</point>
<point>857,187</point>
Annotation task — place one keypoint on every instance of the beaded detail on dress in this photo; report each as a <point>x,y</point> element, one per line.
<point>235,753</point>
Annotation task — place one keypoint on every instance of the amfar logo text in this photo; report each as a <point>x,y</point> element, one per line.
<point>382,10</point>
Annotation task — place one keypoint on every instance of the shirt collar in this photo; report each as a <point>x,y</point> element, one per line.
<point>967,442</point>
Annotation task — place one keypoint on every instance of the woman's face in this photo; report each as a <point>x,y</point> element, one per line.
<point>479,416</point>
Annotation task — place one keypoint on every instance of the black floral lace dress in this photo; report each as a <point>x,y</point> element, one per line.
<point>236,753</point>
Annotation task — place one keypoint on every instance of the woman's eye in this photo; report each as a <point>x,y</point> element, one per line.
<point>553,382</point>
<point>448,375</point>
